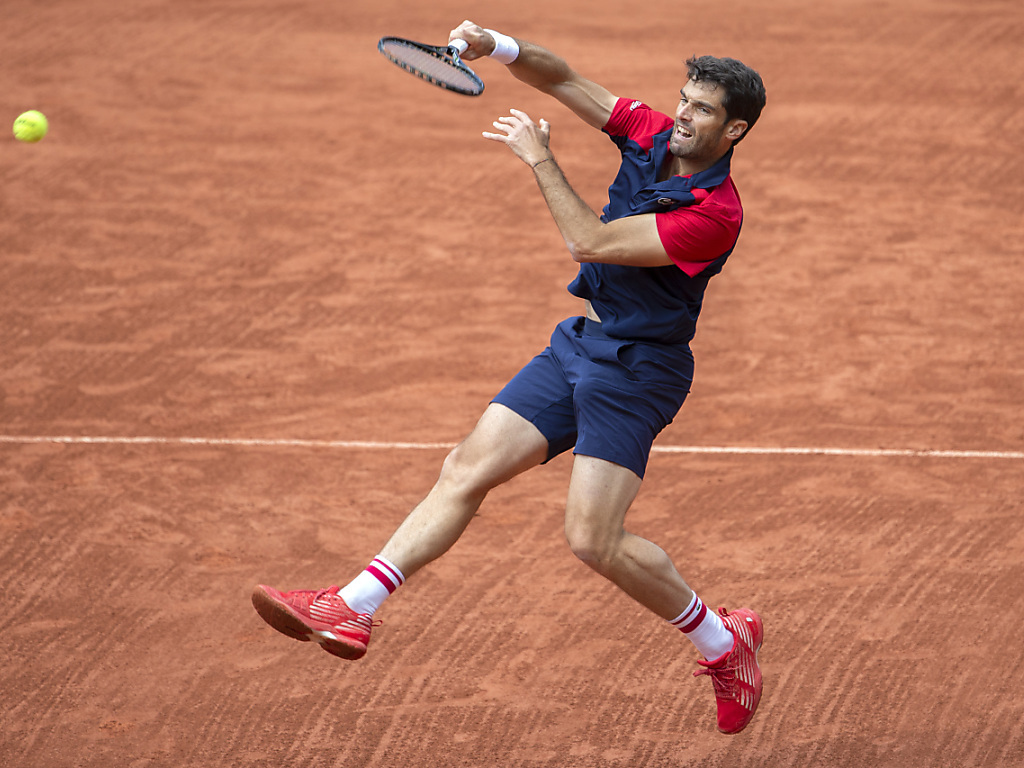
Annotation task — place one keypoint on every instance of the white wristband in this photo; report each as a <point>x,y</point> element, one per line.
<point>506,49</point>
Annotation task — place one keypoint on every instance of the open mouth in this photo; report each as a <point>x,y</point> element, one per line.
<point>682,133</point>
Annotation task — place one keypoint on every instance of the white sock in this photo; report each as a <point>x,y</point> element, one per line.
<point>366,592</point>
<point>704,629</point>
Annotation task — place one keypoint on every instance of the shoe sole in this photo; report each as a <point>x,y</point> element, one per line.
<point>281,617</point>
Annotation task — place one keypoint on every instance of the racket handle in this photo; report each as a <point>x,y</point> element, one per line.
<point>458,45</point>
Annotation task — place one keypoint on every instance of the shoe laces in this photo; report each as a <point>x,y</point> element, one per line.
<point>332,591</point>
<point>722,678</point>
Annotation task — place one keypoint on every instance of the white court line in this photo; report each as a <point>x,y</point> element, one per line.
<point>375,445</point>
<point>222,441</point>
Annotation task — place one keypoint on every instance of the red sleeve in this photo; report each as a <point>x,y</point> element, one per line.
<point>637,121</point>
<point>696,235</point>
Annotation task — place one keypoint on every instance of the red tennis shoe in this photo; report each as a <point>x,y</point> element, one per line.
<point>736,675</point>
<point>317,615</point>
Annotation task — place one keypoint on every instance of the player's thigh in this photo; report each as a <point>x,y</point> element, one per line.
<point>600,495</point>
<point>502,445</point>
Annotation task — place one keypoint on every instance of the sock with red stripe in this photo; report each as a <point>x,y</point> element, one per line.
<point>366,592</point>
<point>705,629</point>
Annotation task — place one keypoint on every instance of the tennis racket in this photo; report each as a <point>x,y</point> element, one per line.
<point>439,65</point>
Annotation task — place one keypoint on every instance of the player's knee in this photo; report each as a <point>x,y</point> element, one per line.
<point>591,544</point>
<point>461,474</point>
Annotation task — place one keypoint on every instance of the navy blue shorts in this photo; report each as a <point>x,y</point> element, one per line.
<point>607,397</point>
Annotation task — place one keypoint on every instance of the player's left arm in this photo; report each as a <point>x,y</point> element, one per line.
<point>631,241</point>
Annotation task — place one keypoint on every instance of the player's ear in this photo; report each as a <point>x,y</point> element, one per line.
<point>735,129</point>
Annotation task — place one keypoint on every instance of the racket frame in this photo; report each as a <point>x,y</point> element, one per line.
<point>446,54</point>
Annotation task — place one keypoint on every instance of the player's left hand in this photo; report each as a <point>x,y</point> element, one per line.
<point>527,139</point>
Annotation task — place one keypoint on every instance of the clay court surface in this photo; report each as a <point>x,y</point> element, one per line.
<point>257,280</point>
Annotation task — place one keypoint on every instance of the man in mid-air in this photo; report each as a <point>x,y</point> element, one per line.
<point>612,378</point>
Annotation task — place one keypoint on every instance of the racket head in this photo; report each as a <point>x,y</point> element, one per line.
<point>439,65</point>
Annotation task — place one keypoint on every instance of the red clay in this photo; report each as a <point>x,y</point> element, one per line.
<point>246,224</point>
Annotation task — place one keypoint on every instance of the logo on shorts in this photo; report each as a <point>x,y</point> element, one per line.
<point>634,105</point>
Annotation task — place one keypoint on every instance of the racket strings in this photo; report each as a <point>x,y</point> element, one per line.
<point>432,67</point>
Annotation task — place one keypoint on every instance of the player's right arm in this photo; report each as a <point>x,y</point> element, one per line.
<point>551,74</point>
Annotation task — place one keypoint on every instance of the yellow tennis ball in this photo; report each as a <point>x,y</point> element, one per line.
<point>31,126</point>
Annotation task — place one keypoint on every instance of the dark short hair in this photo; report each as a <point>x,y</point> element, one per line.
<point>743,96</point>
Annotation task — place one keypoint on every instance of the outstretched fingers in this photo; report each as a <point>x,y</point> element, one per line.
<point>527,139</point>
<point>507,124</point>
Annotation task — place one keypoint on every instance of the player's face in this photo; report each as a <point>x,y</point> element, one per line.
<point>701,130</point>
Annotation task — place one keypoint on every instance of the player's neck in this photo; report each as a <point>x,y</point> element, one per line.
<point>682,166</point>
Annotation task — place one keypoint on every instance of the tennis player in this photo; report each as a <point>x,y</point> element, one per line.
<point>610,379</point>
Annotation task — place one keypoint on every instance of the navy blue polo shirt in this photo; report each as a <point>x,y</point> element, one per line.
<point>698,217</point>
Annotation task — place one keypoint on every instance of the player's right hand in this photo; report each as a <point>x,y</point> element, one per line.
<point>481,44</point>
